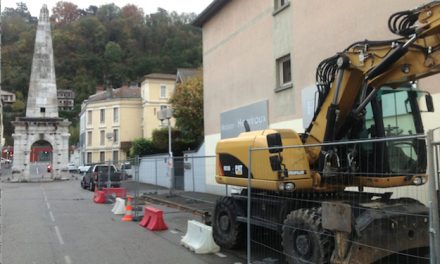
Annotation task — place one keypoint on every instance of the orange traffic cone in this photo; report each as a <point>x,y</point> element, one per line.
<point>128,211</point>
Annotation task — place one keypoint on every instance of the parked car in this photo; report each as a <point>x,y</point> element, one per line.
<point>128,170</point>
<point>97,176</point>
<point>83,168</point>
<point>5,161</point>
<point>71,167</point>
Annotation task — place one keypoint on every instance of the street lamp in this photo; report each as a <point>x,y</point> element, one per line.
<point>109,137</point>
<point>163,114</point>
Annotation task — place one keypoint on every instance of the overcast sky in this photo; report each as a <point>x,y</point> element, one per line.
<point>149,6</point>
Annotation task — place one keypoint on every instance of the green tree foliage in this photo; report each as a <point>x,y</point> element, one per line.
<point>178,143</point>
<point>142,147</point>
<point>18,106</point>
<point>105,45</point>
<point>74,135</point>
<point>187,102</point>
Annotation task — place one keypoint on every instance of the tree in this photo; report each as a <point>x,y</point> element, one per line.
<point>18,106</point>
<point>142,147</point>
<point>97,44</point>
<point>65,13</point>
<point>187,103</point>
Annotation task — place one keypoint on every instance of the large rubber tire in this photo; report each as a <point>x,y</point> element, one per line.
<point>303,238</point>
<point>83,184</point>
<point>227,231</point>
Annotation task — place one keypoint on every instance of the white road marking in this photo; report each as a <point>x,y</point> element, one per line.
<point>238,263</point>
<point>51,216</point>
<point>48,205</point>
<point>221,255</point>
<point>60,239</point>
<point>68,260</point>
<point>174,231</point>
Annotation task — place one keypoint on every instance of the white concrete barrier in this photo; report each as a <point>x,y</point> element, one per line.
<point>198,238</point>
<point>119,207</point>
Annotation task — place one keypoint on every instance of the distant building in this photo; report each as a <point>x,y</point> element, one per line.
<point>7,97</point>
<point>156,91</point>
<point>183,74</point>
<point>109,121</point>
<point>66,99</point>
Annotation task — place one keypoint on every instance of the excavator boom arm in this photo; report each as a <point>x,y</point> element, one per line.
<point>356,74</point>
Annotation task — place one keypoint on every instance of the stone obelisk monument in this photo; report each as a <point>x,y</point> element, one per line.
<point>41,137</point>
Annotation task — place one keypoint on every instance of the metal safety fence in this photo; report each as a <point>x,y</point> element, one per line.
<point>363,201</point>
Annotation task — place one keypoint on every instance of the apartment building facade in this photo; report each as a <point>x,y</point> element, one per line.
<point>156,91</point>
<point>66,99</point>
<point>111,119</point>
<point>109,122</point>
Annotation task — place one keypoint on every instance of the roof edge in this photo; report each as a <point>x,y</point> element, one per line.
<point>209,12</point>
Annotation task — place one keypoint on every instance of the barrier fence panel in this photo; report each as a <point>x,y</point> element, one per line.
<point>433,139</point>
<point>364,201</point>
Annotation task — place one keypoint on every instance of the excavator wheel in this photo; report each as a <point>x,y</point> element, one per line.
<point>303,238</point>
<point>227,231</point>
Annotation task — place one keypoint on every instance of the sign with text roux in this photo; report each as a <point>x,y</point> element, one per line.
<point>231,122</point>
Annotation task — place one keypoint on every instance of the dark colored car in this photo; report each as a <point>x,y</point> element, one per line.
<point>97,176</point>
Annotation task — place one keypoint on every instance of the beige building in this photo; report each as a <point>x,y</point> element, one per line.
<point>264,60</point>
<point>156,91</point>
<point>110,120</point>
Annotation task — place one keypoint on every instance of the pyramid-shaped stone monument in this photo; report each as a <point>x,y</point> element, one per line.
<point>41,137</point>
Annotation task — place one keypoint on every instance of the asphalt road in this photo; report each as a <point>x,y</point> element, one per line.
<point>57,222</point>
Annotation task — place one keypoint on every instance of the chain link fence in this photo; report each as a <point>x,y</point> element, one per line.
<point>369,201</point>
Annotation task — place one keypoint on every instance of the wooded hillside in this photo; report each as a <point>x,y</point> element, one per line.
<point>106,45</point>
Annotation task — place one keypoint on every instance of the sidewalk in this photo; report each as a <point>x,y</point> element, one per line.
<point>198,203</point>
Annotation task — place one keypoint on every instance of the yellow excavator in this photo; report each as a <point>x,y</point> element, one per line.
<point>367,96</point>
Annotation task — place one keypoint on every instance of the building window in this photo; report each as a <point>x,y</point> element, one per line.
<point>89,117</point>
<point>89,157</point>
<point>102,115</point>
<point>115,135</point>
<point>284,72</point>
<point>280,4</point>
<point>102,156</point>
<point>89,138</point>
<point>163,91</point>
<point>115,156</point>
<point>102,137</point>
<point>115,115</point>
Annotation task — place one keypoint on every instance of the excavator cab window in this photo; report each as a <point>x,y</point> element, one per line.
<point>393,113</point>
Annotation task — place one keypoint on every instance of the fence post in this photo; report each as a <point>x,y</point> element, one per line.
<point>433,204</point>
<point>192,170</point>
<point>155,176</point>
<point>135,168</point>
<point>248,227</point>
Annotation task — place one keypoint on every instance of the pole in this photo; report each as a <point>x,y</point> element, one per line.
<point>248,227</point>
<point>170,162</point>
<point>192,169</point>
<point>108,176</point>
<point>434,240</point>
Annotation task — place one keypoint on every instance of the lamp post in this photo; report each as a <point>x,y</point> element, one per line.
<point>163,114</point>
<point>109,136</point>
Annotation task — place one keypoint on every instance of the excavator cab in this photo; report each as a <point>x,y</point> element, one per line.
<point>393,114</point>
